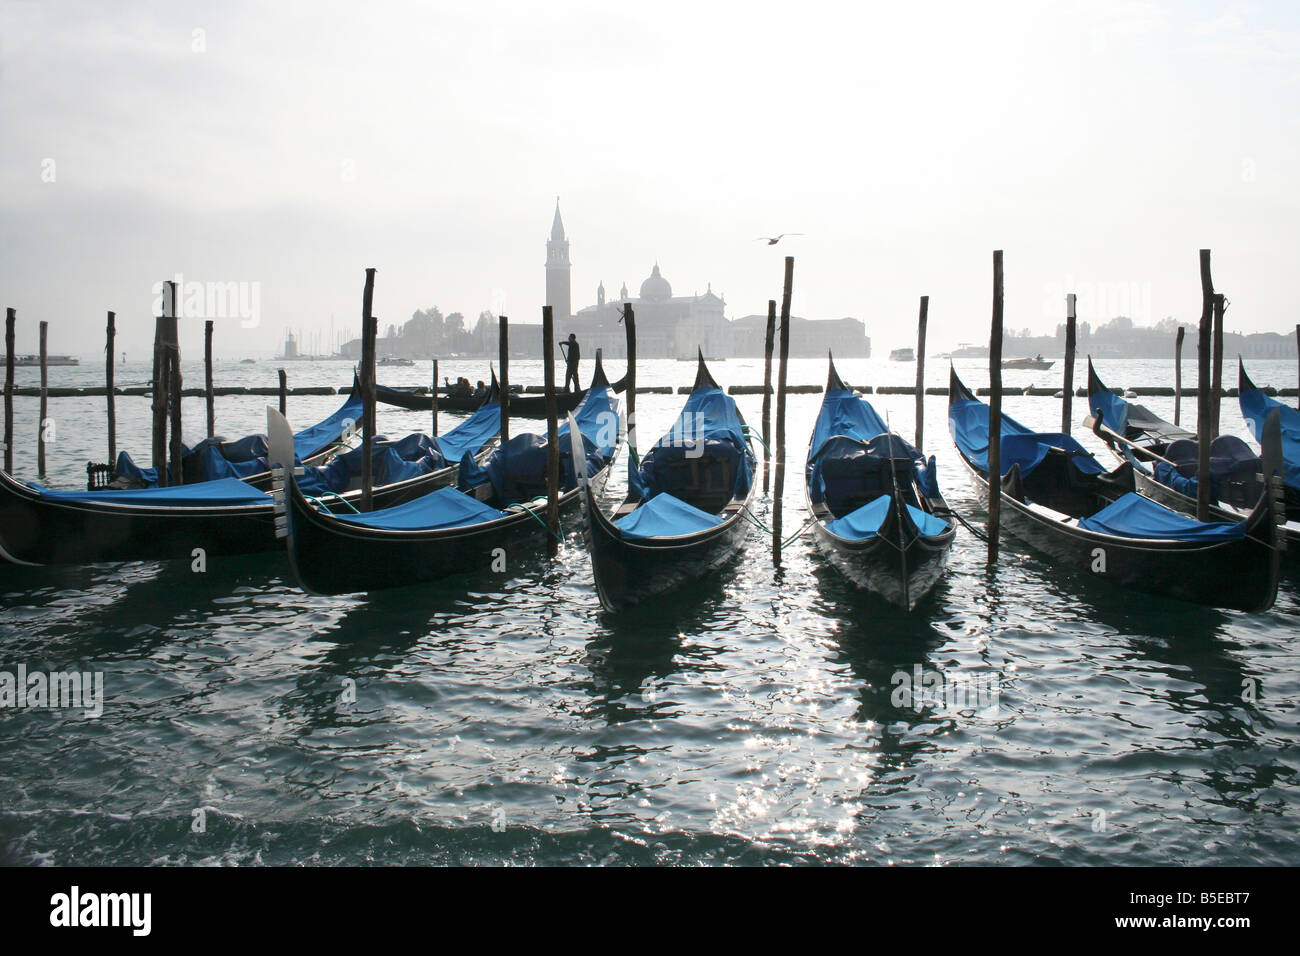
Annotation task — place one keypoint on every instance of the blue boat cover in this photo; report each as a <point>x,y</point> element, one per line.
<point>865,522</point>
<point>708,431</point>
<point>517,469</point>
<point>1255,408</point>
<point>471,434</point>
<point>444,508</point>
<point>206,494</point>
<point>410,457</point>
<point>312,441</point>
<point>216,458</point>
<point>1133,516</point>
<point>968,420</point>
<point>1111,408</point>
<point>665,516</point>
<point>844,412</point>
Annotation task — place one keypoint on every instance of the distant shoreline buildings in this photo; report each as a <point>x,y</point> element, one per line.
<point>667,325</point>
<point>677,326</point>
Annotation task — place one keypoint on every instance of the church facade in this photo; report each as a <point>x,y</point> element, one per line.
<point>676,326</point>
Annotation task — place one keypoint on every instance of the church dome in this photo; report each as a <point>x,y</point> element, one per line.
<point>656,287</point>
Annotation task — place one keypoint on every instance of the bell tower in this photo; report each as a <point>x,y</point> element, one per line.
<point>557,270</point>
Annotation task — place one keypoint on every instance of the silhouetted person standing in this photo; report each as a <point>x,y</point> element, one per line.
<point>572,354</point>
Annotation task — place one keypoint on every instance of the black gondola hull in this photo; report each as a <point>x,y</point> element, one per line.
<point>899,573</point>
<point>630,572</point>
<point>1239,574</point>
<point>330,556</point>
<point>39,530</point>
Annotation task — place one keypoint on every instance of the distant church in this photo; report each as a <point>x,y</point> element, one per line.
<point>669,326</point>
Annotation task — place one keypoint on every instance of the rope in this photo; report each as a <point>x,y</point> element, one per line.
<point>766,530</point>
<point>965,524</point>
<point>537,518</point>
<point>750,433</point>
<point>334,494</point>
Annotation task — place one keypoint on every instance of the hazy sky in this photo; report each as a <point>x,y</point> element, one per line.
<point>292,145</point>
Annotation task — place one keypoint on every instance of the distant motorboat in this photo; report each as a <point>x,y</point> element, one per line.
<point>22,361</point>
<point>394,360</point>
<point>1038,362</point>
<point>248,361</point>
<point>902,355</point>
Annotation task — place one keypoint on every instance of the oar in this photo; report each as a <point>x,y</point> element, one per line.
<point>1097,426</point>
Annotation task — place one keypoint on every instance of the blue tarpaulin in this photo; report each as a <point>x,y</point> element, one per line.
<point>866,521</point>
<point>844,412</point>
<point>665,516</point>
<point>207,494</point>
<point>706,447</point>
<point>1255,408</point>
<point>517,469</point>
<point>471,434</point>
<point>444,508</point>
<point>1133,516</point>
<point>1111,409</point>
<point>968,420</point>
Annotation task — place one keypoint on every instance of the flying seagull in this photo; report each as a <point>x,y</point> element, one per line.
<point>773,240</point>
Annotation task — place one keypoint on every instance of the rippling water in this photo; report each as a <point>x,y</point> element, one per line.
<point>749,719</point>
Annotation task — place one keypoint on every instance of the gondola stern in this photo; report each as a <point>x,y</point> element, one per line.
<point>833,381</point>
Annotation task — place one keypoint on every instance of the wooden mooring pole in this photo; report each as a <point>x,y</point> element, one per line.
<point>1178,374</point>
<point>552,436</point>
<point>768,344</point>
<point>921,321</point>
<point>110,335</point>
<point>11,316</point>
<point>1067,395</point>
<point>778,487</point>
<point>1204,414</point>
<point>42,423</point>
<point>1216,393</point>
<point>433,395</point>
<point>284,392</point>
<point>207,379</point>
<point>369,332</point>
<point>995,413</point>
<point>174,389</point>
<point>503,358</point>
<point>629,332</point>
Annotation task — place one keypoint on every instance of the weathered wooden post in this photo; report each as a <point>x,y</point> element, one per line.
<point>207,379</point>
<point>11,316</point>
<point>158,388</point>
<point>369,332</point>
<point>552,436</point>
<point>995,412</point>
<point>174,387</point>
<point>108,388</point>
<point>921,321</point>
<point>45,399</point>
<point>284,392</point>
<point>778,488</point>
<point>433,395</point>
<point>1204,414</point>
<point>1297,352</point>
<point>768,344</point>
<point>1067,405</point>
<point>1216,394</point>
<point>1178,375</point>
<point>503,359</point>
<point>629,332</point>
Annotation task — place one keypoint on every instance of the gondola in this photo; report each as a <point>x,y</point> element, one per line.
<point>1165,461</point>
<point>880,519</point>
<point>1056,497</point>
<point>682,516</point>
<point>1255,408</point>
<point>222,517</point>
<point>243,459</point>
<point>477,527</point>
<point>521,405</point>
